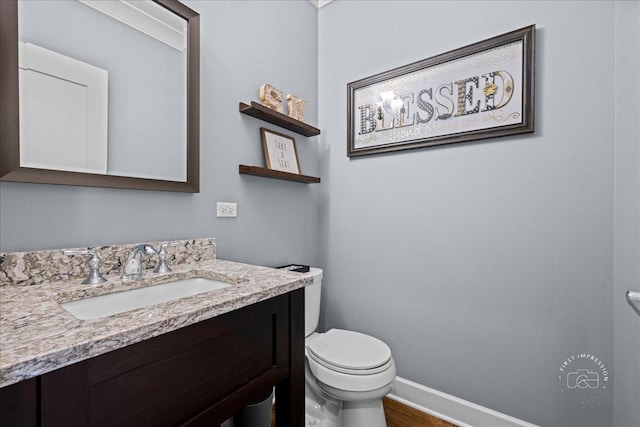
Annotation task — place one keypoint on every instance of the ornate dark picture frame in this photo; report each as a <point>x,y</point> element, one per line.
<point>483,90</point>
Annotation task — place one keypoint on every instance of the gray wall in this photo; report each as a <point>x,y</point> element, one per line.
<point>243,45</point>
<point>627,217</point>
<point>483,265</point>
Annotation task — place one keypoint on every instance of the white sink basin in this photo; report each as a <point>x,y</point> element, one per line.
<point>120,302</point>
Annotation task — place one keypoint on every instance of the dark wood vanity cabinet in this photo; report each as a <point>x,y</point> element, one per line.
<point>198,375</point>
<point>19,404</point>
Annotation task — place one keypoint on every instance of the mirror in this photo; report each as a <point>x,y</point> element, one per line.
<point>85,108</point>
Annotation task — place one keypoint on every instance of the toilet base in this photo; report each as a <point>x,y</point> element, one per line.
<point>320,413</point>
<point>329,413</point>
<point>360,409</point>
<point>324,409</point>
<point>326,406</point>
<point>320,410</point>
<point>367,413</point>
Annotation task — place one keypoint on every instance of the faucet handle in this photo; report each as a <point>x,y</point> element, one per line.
<point>94,277</point>
<point>163,245</point>
<point>162,266</point>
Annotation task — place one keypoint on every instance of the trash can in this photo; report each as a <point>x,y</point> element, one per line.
<point>257,414</point>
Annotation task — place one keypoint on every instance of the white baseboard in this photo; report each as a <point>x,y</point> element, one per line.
<point>450,408</point>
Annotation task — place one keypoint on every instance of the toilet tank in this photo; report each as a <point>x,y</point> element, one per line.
<point>312,296</point>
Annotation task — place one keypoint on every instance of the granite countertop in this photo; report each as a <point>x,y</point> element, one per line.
<point>37,335</point>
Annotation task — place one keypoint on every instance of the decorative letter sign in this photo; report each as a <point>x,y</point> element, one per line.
<point>296,107</point>
<point>271,97</point>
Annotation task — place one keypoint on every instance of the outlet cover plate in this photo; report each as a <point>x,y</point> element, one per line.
<point>226,210</point>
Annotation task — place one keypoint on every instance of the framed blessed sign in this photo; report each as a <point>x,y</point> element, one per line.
<point>480,91</point>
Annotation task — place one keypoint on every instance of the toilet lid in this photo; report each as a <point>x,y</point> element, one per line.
<point>349,350</point>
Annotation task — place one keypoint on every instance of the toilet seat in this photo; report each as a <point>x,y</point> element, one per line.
<point>350,361</point>
<point>349,352</point>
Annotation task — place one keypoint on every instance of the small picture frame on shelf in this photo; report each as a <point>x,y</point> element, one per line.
<point>280,151</point>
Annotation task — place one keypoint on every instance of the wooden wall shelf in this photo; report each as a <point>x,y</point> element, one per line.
<point>270,173</point>
<point>261,112</point>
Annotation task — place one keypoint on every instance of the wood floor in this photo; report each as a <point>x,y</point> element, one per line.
<point>399,415</point>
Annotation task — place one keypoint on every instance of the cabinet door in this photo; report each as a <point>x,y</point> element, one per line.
<point>18,404</point>
<point>198,375</point>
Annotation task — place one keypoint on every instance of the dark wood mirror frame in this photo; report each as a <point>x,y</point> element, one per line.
<point>10,169</point>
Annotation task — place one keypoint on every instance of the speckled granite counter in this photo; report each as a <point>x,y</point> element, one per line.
<point>37,335</point>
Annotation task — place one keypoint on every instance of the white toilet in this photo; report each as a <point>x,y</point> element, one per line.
<point>346,373</point>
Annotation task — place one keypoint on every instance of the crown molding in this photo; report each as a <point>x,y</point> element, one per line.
<point>146,17</point>
<point>320,3</point>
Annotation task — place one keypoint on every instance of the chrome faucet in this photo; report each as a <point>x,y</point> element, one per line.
<point>133,266</point>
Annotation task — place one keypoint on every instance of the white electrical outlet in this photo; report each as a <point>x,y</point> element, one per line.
<point>227,210</point>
